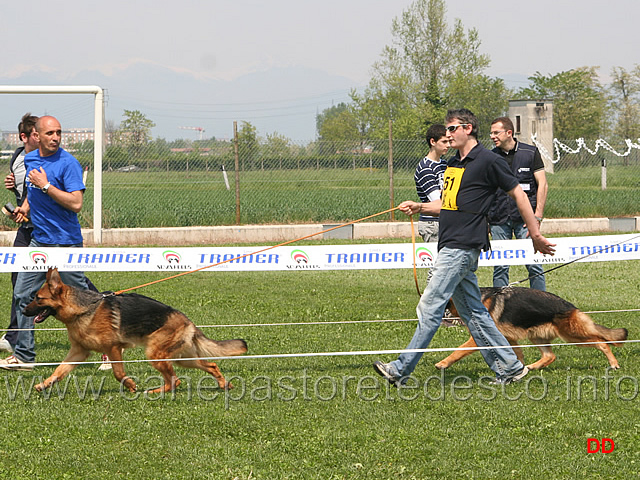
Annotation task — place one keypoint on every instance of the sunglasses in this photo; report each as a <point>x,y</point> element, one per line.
<point>453,128</point>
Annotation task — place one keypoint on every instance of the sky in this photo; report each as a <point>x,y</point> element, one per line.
<point>222,41</point>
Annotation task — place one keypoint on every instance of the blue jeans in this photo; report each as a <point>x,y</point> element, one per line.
<point>27,285</point>
<point>501,272</point>
<point>429,231</point>
<point>454,277</point>
<point>23,238</point>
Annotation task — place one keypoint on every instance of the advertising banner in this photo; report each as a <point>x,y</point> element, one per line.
<point>307,257</point>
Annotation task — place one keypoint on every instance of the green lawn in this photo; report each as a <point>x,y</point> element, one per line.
<point>200,198</point>
<point>331,417</point>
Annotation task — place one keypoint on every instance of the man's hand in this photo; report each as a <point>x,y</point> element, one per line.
<point>542,245</point>
<point>20,214</point>
<point>409,207</point>
<point>10,182</point>
<point>38,178</point>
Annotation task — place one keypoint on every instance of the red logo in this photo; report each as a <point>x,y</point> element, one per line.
<point>595,445</point>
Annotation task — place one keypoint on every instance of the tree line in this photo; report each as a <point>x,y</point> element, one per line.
<point>432,66</point>
<point>429,67</point>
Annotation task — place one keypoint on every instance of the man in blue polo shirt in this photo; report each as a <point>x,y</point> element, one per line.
<point>472,177</point>
<point>54,197</point>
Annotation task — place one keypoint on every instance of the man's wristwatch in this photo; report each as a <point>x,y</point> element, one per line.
<point>45,189</point>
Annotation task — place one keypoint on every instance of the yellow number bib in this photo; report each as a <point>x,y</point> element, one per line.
<point>450,188</point>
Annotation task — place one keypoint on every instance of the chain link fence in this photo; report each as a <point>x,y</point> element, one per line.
<point>317,182</point>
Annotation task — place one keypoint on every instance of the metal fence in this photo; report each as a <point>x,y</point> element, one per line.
<point>318,182</point>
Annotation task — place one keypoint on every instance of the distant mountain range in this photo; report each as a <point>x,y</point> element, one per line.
<point>279,100</point>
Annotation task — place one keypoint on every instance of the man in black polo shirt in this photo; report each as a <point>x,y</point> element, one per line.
<point>505,220</point>
<point>472,177</point>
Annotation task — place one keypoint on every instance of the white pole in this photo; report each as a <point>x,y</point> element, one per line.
<point>98,147</point>
<point>98,137</point>
<point>226,179</point>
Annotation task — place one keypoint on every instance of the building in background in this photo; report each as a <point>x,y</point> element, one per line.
<point>69,137</point>
<point>534,118</point>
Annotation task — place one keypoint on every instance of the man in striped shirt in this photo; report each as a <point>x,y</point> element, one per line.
<point>428,177</point>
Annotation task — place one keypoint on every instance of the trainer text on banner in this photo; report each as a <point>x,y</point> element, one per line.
<point>307,257</point>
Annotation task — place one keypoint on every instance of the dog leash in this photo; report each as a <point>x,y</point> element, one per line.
<point>254,253</point>
<point>413,246</point>
<point>572,261</point>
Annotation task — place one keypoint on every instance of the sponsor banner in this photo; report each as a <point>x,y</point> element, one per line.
<point>310,257</point>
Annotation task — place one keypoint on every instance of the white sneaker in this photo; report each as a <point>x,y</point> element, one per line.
<point>5,345</point>
<point>14,363</point>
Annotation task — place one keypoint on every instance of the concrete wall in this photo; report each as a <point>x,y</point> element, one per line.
<point>271,234</point>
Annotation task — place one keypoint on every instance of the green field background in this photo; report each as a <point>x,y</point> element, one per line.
<point>179,193</point>
<point>200,198</point>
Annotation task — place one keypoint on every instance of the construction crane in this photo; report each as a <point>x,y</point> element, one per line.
<point>200,130</point>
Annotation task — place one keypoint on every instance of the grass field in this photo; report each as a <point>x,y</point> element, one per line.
<point>200,198</point>
<point>331,417</point>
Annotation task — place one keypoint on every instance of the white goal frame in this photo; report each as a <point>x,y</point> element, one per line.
<point>98,135</point>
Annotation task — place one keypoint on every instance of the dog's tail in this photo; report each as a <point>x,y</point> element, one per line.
<point>577,326</point>
<point>213,348</point>
<point>612,334</point>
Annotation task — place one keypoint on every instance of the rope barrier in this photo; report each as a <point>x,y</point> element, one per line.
<point>334,354</point>
<point>581,144</point>
<point>302,324</point>
<point>318,354</point>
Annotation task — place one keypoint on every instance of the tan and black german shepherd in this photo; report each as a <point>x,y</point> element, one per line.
<point>541,317</point>
<point>111,323</point>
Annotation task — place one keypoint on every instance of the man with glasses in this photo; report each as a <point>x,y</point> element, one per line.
<point>472,177</point>
<point>505,219</point>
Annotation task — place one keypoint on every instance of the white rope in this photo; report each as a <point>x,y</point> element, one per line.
<point>347,322</point>
<point>333,354</point>
<point>302,324</point>
<point>581,144</point>
<point>325,354</point>
<point>614,311</point>
<point>231,325</point>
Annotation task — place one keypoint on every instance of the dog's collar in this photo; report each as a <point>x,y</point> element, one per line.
<point>105,295</point>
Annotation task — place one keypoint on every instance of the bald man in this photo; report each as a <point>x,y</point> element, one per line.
<point>54,190</point>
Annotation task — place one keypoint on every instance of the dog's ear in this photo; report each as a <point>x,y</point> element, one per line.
<point>54,281</point>
<point>51,271</point>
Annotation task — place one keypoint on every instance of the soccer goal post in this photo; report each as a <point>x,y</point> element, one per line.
<point>98,145</point>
